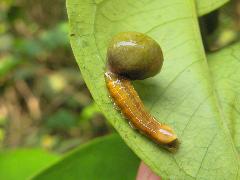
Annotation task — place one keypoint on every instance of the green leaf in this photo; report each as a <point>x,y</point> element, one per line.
<point>225,66</point>
<point>55,37</point>
<point>61,120</point>
<point>103,158</point>
<point>206,6</point>
<point>7,63</point>
<point>23,163</point>
<point>88,112</point>
<point>182,95</point>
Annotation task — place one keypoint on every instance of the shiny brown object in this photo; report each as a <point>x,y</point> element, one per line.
<point>130,104</point>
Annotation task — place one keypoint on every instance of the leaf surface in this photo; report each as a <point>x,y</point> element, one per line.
<point>105,158</point>
<point>21,164</point>
<point>225,66</point>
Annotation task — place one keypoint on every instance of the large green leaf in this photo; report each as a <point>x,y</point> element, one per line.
<point>182,95</point>
<point>104,158</point>
<point>21,164</point>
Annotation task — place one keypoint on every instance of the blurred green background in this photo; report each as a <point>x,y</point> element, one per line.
<point>44,102</point>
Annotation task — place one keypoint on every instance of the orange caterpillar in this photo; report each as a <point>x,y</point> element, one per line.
<point>127,99</point>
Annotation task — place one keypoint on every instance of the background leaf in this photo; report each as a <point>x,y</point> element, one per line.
<point>23,163</point>
<point>101,159</point>
<point>225,66</point>
<point>206,6</point>
<point>182,95</point>
<point>7,63</point>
